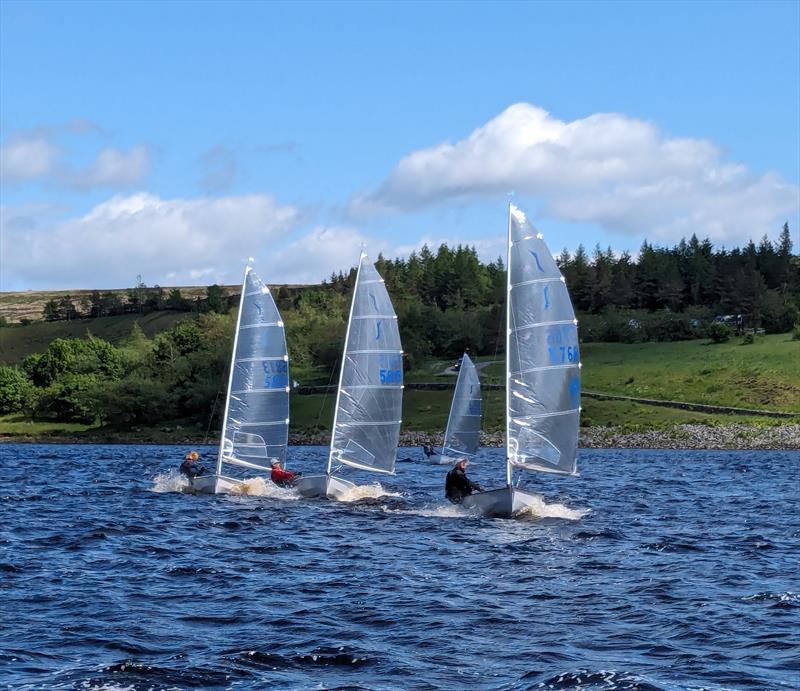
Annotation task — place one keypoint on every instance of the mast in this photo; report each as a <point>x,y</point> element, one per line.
<point>344,357</point>
<point>247,270</point>
<point>508,349</point>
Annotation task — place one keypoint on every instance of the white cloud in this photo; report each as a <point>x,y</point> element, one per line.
<point>167,241</point>
<point>111,168</point>
<point>38,155</point>
<point>315,255</point>
<point>27,157</point>
<point>610,169</point>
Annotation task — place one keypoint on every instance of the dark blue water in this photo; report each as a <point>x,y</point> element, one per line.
<point>682,575</point>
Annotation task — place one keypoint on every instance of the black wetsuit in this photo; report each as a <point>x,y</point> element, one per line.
<point>427,450</point>
<point>191,469</point>
<point>458,485</point>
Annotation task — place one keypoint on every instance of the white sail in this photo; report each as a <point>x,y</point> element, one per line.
<point>256,423</point>
<point>542,357</point>
<point>463,435</point>
<point>366,427</point>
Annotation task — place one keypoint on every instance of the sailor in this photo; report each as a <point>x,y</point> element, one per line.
<point>281,477</point>
<point>190,466</point>
<point>427,449</point>
<point>458,485</point>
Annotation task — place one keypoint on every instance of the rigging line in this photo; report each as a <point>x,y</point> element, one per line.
<point>211,417</point>
<point>325,395</point>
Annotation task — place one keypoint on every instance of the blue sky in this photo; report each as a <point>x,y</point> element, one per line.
<point>173,140</point>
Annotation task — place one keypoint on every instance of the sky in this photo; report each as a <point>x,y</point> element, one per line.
<point>172,141</point>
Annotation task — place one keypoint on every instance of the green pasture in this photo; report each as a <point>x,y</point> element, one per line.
<point>764,375</point>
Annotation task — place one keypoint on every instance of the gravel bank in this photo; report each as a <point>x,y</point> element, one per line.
<point>733,436</point>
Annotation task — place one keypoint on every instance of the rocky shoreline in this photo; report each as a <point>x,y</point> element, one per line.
<point>684,436</point>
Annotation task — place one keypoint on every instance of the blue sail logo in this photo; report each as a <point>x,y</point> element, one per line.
<point>536,257</point>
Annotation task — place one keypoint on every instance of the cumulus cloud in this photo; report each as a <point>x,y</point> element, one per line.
<point>39,155</point>
<point>324,250</point>
<point>167,241</point>
<point>610,169</point>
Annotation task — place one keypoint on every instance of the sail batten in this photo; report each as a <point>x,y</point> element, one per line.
<point>256,419</point>
<point>366,427</point>
<point>542,357</point>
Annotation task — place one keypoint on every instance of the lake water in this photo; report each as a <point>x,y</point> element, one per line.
<point>653,570</point>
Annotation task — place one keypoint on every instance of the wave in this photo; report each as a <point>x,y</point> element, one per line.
<point>787,600</point>
<point>539,508</point>
<point>600,679</point>
<point>172,481</point>
<point>372,491</point>
<point>435,511</point>
<point>262,487</point>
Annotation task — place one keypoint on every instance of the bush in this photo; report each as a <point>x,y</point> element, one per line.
<point>796,332</point>
<point>71,399</point>
<point>15,389</point>
<point>749,338</point>
<point>718,332</point>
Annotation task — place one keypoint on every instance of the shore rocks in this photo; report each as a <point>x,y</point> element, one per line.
<point>686,436</point>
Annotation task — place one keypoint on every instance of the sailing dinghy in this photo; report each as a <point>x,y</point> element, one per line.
<point>543,382</point>
<point>255,426</point>
<point>463,434</point>
<point>366,424</point>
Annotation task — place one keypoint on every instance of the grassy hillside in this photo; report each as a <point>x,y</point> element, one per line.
<point>29,304</point>
<point>17,342</point>
<point>763,375</point>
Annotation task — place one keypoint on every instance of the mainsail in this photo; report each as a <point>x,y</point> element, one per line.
<point>542,357</point>
<point>256,424</point>
<point>366,425</point>
<point>463,435</point>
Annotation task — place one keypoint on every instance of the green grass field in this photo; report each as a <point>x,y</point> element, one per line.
<point>764,375</point>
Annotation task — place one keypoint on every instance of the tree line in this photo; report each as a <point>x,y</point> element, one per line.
<point>141,299</point>
<point>446,301</point>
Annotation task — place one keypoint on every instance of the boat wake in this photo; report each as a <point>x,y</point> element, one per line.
<point>434,511</point>
<point>372,491</point>
<point>172,481</point>
<point>262,487</point>
<point>539,508</point>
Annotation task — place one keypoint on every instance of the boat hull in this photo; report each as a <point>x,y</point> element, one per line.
<point>505,502</point>
<point>323,486</point>
<point>212,484</point>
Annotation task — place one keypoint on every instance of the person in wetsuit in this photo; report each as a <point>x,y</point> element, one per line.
<point>427,449</point>
<point>281,477</point>
<point>191,467</point>
<point>458,485</point>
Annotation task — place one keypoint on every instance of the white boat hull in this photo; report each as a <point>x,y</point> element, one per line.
<point>212,484</point>
<point>505,502</point>
<point>323,486</point>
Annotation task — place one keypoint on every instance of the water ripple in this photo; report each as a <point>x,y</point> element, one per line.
<point>655,570</point>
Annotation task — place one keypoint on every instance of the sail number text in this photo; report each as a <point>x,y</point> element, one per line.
<point>276,374</point>
<point>390,376</point>
<point>562,354</point>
